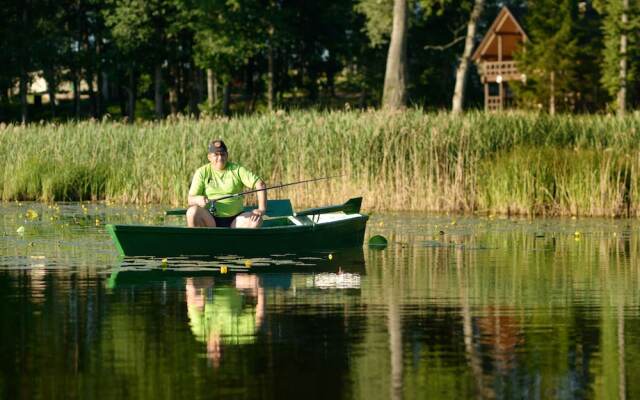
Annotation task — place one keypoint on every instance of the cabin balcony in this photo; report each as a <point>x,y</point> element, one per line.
<point>507,70</point>
<point>493,103</point>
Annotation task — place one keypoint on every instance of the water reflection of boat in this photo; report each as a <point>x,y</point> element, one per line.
<point>273,271</point>
<point>227,310</point>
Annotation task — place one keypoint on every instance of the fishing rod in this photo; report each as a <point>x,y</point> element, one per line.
<point>211,204</point>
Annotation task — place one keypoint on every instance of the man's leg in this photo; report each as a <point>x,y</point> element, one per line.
<point>246,220</point>
<point>199,217</point>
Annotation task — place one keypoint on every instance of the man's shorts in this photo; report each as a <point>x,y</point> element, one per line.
<point>224,222</point>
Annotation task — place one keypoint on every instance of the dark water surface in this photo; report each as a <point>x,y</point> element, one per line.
<point>455,307</point>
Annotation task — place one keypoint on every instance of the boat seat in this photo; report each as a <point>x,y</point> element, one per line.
<point>302,220</point>
<point>277,208</point>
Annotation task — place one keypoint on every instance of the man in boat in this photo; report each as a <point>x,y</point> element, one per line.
<point>220,178</point>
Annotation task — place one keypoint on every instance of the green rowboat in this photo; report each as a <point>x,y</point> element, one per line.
<point>283,231</point>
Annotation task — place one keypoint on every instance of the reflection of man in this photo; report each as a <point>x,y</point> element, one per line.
<point>221,315</point>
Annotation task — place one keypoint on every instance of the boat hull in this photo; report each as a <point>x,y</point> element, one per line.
<point>165,241</point>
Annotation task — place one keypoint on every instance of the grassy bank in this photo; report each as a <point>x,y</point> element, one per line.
<point>496,163</point>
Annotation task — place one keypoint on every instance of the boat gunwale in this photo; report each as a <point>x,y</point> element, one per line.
<point>130,228</point>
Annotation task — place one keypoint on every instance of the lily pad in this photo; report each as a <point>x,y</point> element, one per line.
<point>378,242</point>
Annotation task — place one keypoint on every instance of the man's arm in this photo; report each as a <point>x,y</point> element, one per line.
<point>262,196</point>
<point>198,201</point>
<point>197,186</point>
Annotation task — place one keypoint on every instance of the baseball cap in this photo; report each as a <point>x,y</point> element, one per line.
<point>217,146</point>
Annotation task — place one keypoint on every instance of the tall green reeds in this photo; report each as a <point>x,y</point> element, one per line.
<point>519,163</point>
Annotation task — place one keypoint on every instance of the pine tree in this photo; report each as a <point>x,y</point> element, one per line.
<point>621,19</point>
<point>557,60</point>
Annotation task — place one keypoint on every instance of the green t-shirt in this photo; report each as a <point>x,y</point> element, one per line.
<point>227,315</point>
<point>212,183</point>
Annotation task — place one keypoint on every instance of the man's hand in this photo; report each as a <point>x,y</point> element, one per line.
<point>256,214</point>
<point>204,201</point>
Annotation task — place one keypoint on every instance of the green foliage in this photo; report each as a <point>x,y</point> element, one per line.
<point>379,23</point>
<point>379,15</point>
<point>322,54</point>
<point>559,59</point>
<point>227,35</point>
<point>613,28</point>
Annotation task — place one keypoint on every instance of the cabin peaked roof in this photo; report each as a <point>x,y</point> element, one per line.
<point>505,25</point>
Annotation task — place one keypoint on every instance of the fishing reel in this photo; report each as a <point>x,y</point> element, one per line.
<point>211,206</point>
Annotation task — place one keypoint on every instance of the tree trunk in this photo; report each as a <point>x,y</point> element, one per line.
<point>462,72</point>
<point>76,94</point>
<point>24,80</point>
<point>158,91</point>
<point>106,88</point>
<point>248,84</point>
<point>395,87</point>
<point>121,92</point>
<point>3,100</point>
<point>99,78</point>
<point>49,77</point>
<point>174,89</point>
<point>212,93</point>
<point>331,82</point>
<point>23,67</point>
<point>216,91</point>
<point>92,94</point>
<point>99,94</point>
<point>270,78</point>
<point>622,92</point>
<point>131,104</point>
<point>552,93</point>
<point>226,99</point>
<point>195,90</point>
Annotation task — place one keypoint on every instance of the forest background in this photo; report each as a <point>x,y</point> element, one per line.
<point>155,58</point>
<point>313,88</point>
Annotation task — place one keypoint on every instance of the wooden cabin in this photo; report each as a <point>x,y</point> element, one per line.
<point>494,58</point>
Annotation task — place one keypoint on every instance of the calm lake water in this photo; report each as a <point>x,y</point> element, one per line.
<point>455,307</point>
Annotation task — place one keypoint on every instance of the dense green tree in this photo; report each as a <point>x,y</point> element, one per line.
<point>229,35</point>
<point>621,20</point>
<point>287,53</point>
<point>559,61</point>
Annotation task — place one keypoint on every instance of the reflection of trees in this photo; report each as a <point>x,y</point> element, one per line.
<point>546,315</point>
<point>490,315</point>
<point>395,344</point>
<point>52,323</point>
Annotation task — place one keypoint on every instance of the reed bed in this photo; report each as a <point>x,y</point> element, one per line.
<point>514,163</point>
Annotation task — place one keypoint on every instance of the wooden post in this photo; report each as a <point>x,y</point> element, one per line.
<point>500,89</point>
<point>486,96</point>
